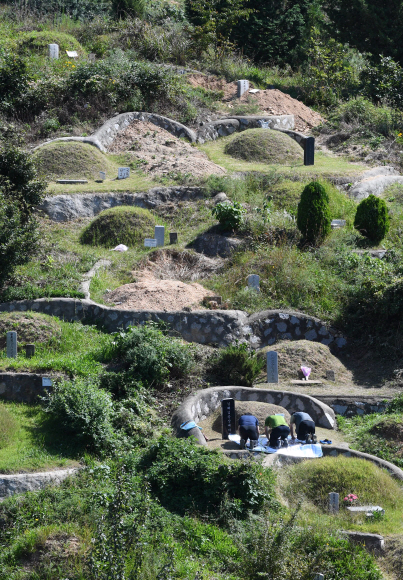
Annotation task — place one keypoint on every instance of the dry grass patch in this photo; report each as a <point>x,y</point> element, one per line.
<point>30,327</point>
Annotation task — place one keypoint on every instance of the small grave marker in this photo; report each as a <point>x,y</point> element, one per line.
<point>12,344</point>
<point>173,237</point>
<point>102,175</point>
<point>272,366</point>
<point>333,502</point>
<point>29,350</point>
<point>228,417</point>
<point>242,87</point>
<point>309,151</point>
<point>53,51</point>
<point>91,57</point>
<point>123,172</point>
<point>46,382</point>
<point>159,235</point>
<point>72,53</point>
<point>335,224</point>
<point>254,282</point>
<point>330,376</point>
<point>150,243</point>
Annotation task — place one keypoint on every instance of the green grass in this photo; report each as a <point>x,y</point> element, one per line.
<point>312,481</point>
<point>33,443</point>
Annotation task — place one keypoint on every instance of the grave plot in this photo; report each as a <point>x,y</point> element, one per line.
<point>171,264</point>
<point>159,153</point>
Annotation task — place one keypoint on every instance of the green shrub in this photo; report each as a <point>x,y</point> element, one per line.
<point>82,409</point>
<point>372,219</point>
<point>14,79</point>
<point>384,81</point>
<point>128,8</point>
<point>186,476</point>
<point>119,225</point>
<point>313,217</point>
<point>395,405</point>
<point>151,357</point>
<point>362,114</point>
<point>230,215</point>
<point>237,365</point>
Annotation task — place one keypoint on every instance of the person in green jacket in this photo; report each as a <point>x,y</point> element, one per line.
<point>276,429</point>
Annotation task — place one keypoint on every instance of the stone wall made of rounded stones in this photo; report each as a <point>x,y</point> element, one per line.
<point>221,327</point>
<point>199,406</point>
<point>224,127</point>
<point>21,387</point>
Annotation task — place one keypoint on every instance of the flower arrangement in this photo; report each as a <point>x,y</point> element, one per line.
<point>350,499</point>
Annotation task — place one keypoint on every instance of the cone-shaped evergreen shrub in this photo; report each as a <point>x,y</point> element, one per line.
<point>372,219</point>
<point>313,217</point>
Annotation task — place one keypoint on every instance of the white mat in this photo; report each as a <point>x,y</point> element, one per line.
<point>294,450</point>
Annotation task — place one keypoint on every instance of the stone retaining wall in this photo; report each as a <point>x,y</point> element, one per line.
<point>199,406</point>
<point>21,387</point>
<point>23,482</point>
<point>224,127</point>
<point>220,327</point>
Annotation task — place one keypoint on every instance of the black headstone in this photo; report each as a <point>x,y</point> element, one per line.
<point>309,151</point>
<point>228,417</point>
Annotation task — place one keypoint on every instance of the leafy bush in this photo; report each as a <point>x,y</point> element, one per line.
<point>14,79</point>
<point>362,115</point>
<point>237,365</point>
<point>150,356</point>
<point>384,81</point>
<point>125,8</point>
<point>230,215</point>
<point>395,405</point>
<point>186,476</point>
<point>82,409</point>
<point>313,217</point>
<point>372,219</point>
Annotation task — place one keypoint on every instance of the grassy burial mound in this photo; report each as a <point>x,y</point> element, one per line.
<point>30,327</point>
<point>119,225</point>
<point>264,145</point>
<point>72,160</point>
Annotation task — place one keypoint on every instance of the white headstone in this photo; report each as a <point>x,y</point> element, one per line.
<point>150,243</point>
<point>123,172</point>
<point>243,86</point>
<point>333,502</point>
<point>272,366</point>
<point>53,51</point>
<point>12,344</point>
<point>72,53</point>
<point>102,175</point>
<point>159,234</point>
<point>254,282</point>
<point>338,224</point>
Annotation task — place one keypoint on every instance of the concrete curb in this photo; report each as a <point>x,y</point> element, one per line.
<point>23,482</point>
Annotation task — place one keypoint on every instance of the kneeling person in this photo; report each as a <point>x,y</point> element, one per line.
<point>248,429</point>
<point>276,428</point>
<point>304,427</point>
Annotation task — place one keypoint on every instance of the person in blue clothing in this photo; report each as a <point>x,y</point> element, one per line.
<point>248,426</point>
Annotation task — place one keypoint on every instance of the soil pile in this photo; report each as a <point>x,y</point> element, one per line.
<point>170,264</point>
<point>264,146</point>
<point>158,152</point>
<point>270,101</point>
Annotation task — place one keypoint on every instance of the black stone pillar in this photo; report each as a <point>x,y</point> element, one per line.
<point>309,151</point>
<point>228,417</point>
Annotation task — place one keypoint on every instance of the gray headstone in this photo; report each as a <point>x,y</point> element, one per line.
<point>272,366</point>
<point>29,350</point>
<point>123,172</point>
<point>102,175</point>
<point>53,51</point>
<point>309,151</point>
<point>333,502</point>
<point>254,282</point>
<point>91,57</point>
<point>159,235</point>
<point>150,243</point>
<point>228,417</point>
<point>330,376</point>
<point>173,237</point>
<point>319,577</point>
<point>242,87</point>
<point>12,344</point>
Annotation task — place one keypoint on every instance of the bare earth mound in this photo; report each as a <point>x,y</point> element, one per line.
<point>153,294</point>
<point>161,153</point>
<point>169,264</point>
<point>270,101</point>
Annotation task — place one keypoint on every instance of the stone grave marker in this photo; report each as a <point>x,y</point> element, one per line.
<point>53,51</point>
<point>102,175</point>
<point>330,376</point>
<point>123,172</point>
<point>333,502</point>
<point>309,151</point>
<point>336,224</point>
<point>228,417</point>
<point>254,282</point>
<point>92,56</point>
<point>11,344</point>
<point>319,577</point>
<point>242,87</point>
<point>150,243</point>
<point>159,235</point>
<point>29,350</point>
<point>272,366</point>
<point>72,53</point>
<point>46,382</point>
<point>173,237</point>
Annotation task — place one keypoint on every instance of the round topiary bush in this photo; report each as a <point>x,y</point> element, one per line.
<point>313,216</point>
<point>372,219</point>
<point>264,145</point>
<point>119,225</point>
